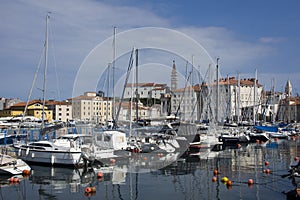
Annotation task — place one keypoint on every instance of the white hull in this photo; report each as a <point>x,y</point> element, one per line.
<point>12,166</point>
<point>49,157</point>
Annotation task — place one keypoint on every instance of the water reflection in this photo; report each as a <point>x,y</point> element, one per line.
<point>147,176</point>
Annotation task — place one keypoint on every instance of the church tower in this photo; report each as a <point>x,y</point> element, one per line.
<point>288,89</point>
<point>174,79</point>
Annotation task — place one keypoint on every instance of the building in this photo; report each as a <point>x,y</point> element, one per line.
<point>148,93</point>
<point>61,110</point>
<point>128,111</point>
<point>91,107</point>
<point>6,103</point>
<point>239,100</point>
<point>184,103</point>
<point>34,108</point>
<point>289,106</point>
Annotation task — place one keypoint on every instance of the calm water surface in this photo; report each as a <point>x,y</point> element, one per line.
<point>190,177</point>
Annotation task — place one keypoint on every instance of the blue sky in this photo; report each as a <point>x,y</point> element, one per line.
<point>245,35</point>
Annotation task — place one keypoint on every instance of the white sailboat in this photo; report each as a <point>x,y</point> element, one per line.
<point>47,152</point>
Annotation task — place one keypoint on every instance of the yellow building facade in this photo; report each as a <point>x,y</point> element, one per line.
<point>34,108</point>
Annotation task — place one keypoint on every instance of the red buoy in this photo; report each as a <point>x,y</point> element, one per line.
<point>216,172</point>
<point>229,183</point>
<point>99,175</point>
<point>266,163</point>
<point>250,181</point>
<point>88,190</point>
<point>214,179</point>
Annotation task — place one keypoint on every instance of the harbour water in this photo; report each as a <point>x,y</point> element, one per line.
<point>189,177</point>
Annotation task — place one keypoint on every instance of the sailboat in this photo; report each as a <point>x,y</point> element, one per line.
<point>48,152</point>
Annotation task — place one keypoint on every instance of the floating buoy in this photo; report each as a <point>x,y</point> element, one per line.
<point>268,171</point>
<point>99,175</point>
<point>224,179</point>
<point>266,163</point>
<point>11,179</point>
<point>16,180</point>
<point>145,158</point>
<point>250,181</point>
<point>214,179</point>
<point>88,190</point>
<point>229,183</point>
<point>216,172</point>
<point>26,172</point>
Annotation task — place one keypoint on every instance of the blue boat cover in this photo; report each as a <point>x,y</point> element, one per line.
<point>267,128</point>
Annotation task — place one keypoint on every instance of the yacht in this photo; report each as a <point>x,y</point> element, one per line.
<point>12,166</point>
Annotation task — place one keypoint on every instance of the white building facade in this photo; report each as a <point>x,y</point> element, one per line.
<point>92,108</point>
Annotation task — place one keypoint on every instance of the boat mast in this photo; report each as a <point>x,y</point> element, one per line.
<point>217,106</point>
<point>254,100</point>
<point>108,85</point>
<point>45,69</point>
<point>114,71</point>
<point>239,98</point>
<point>273,100</point>
<point>137,93</point>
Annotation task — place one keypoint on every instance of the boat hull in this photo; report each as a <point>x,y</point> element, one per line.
<point>72,158</point>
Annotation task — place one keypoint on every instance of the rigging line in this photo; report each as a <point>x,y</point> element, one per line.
<point>53,44</point>
<point>187,80</point>
<point>32,85</point>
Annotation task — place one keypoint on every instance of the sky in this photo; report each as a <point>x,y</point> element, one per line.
<point>244,35</point>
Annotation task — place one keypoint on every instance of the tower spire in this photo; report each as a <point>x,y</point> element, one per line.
<point>174,79</point>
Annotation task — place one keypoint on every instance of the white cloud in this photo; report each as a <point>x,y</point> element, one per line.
<point>77,26</point>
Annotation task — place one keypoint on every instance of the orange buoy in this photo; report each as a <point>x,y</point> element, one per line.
<point>250,181</point>
<point>16,180</point>
<point>88,190</point>
<point>11,179</point>
<point>216,172</point>
<point>229,183</point>
<point>214,179</point>
<point>26,172</point>
<point>99,175</point>
<point>267,163</point>
<point>268,171</point>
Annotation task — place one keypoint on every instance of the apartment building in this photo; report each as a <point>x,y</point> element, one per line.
<point>91,107</point>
